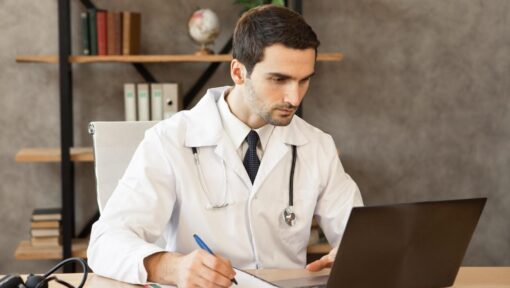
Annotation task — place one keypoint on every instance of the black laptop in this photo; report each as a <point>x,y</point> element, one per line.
<point>403,245</point>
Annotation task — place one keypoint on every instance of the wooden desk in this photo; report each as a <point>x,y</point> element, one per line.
<point>468,277</point>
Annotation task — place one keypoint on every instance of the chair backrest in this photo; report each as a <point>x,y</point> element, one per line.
<point>114,145</point>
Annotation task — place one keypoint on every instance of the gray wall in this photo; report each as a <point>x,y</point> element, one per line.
<point>418,107</point>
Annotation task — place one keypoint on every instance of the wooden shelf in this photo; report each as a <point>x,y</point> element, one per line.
<point>78,154</point>
<point>151,58</point>
<point>322,248</point>
<point>25,251</point>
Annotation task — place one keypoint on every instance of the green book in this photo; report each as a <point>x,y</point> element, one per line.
<point>85,35</point>
<point>92,30</point>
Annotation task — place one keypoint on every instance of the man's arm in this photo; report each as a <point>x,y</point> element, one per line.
<point>197,269</point>
<point>339,195</point>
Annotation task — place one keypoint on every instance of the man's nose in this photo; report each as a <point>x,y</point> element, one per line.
<point>292,95</point>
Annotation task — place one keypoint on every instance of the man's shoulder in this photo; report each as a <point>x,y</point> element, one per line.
<point>312,133</point>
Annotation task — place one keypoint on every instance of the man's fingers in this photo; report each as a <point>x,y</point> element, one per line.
<point>324,262</point>
<point>218,264</point>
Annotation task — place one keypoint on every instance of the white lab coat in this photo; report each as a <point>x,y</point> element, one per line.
<point>160,195</point>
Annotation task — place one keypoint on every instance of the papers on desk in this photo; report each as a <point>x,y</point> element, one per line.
<point>247,280</point>
<point>244,279</point>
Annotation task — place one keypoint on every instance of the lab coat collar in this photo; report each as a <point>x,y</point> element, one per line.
<point>203,121</point>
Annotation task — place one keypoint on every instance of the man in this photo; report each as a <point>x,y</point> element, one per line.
<point>222,171</point>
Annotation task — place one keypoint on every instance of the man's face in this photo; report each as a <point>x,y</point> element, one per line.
<point>278,83</point>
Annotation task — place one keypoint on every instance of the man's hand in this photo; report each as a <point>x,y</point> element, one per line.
<point>325,262</point>
<point>197,269</point>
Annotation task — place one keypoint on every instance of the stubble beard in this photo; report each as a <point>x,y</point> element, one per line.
<point>266,113</point>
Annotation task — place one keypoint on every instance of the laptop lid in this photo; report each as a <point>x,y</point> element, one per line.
<point>405,245</point>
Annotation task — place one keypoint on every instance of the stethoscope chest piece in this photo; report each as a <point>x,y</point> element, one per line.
<point>289,216</point>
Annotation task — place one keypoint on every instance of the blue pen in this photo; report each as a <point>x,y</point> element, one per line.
<point>206,248</point>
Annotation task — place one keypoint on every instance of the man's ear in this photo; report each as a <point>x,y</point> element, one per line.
<point>237,72</point>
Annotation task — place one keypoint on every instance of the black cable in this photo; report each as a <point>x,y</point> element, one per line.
<point>62,263</point>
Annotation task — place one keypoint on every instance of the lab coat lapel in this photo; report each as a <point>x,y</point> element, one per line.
<point>204,128</point>
<point>226,150</point>
<point>278,147</point>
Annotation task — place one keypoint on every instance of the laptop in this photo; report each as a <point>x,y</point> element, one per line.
<point>403,245</point>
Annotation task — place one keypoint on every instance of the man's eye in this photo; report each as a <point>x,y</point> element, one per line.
<point>278,79</point>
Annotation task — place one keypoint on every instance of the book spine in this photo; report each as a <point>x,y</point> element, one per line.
<point>126,20</point>
<point>143,102</point>
<point>85,35</point>
<point>136,33</point>
<point>110,35</point>
<point>102,40</point>
<point>118,33</point>
<point>171,100</point>
<point>130,102</point>
<point>156,102</point>
<point>131,33</point>
<point>92,30</point>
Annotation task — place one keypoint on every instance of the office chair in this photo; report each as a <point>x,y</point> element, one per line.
<point>114,144</point>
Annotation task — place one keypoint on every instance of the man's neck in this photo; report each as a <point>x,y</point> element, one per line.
<point>236,103</point>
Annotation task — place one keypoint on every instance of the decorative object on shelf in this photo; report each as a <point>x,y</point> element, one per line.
<point>204,28</point>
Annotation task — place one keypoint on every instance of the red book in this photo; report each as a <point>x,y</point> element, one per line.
<point>102,39</point>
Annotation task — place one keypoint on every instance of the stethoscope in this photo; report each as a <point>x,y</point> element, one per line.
<point>289,216</point>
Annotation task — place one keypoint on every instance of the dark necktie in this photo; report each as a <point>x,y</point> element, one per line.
<point>251,160</point>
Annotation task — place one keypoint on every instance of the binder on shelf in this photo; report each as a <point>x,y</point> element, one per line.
<point>91,12</point>
<point>131,32</point>
<point>130,102</point>
<point>101,32</point>
<point>85,34</point>
<point>156,101</point>
<point>143,102</point>
<point>171,100</point>
<point>114,35</point>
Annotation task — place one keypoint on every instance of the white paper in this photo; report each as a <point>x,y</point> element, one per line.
<point>244,280</point>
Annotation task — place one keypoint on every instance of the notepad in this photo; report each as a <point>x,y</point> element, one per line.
<point>244,279</point>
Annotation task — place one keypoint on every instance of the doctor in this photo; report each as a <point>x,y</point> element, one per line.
<point>239,170</point>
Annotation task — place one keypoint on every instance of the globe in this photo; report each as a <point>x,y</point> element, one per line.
<point>204,28</point>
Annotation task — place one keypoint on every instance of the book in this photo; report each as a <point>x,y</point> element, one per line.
<point>51,241</point>
<point>44,224</point>
<point>101,32</point>
<point>85,35</point>
<point>143,102</point>
<point>46,214</point>
<point>131,32</point>
<point>91,12</point>
<point>156,101</point>
<point>130,102</point>
<point>171,101</point>
<point>45,232</point>
<point>114,35</point>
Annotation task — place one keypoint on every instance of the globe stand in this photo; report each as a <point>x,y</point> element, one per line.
<point>203,50</point>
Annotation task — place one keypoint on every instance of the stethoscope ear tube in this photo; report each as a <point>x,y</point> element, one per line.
<point>288,214</point>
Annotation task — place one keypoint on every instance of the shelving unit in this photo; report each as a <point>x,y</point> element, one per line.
<point>25,251</point>
<point>67,154</point>
<point>51,59</point>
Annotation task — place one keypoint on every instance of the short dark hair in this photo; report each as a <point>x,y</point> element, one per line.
<point>263,26</point>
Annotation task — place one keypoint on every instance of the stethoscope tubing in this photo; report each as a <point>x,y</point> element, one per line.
<point>288,213</point>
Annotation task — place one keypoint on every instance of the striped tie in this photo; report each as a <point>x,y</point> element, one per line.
<point>251,160</point>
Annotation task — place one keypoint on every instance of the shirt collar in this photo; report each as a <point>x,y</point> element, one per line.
<point>236,129</point>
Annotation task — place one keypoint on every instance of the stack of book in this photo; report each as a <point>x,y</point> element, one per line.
<point>45,227</point>
<point>110,33</point>
<point>151,101</point>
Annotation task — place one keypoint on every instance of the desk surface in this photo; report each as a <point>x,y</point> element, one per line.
<point>468,277</point>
